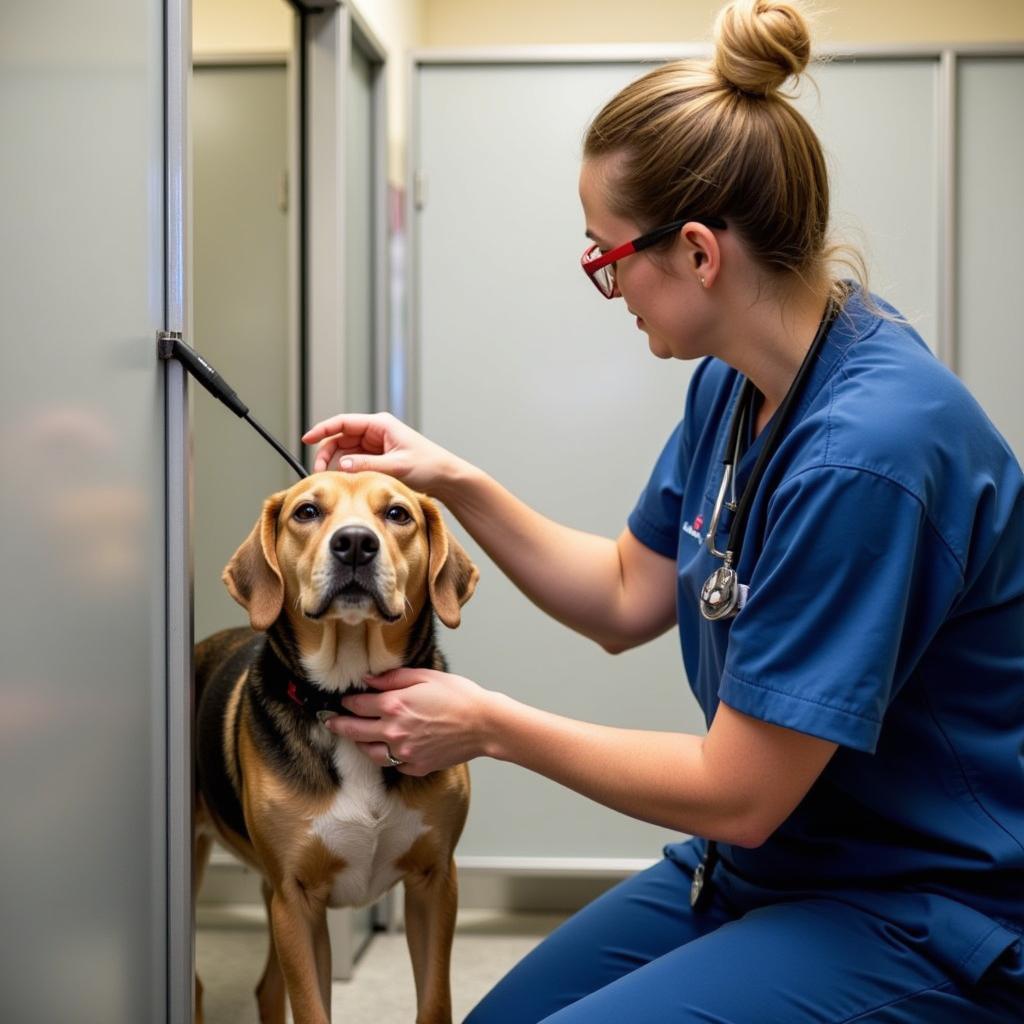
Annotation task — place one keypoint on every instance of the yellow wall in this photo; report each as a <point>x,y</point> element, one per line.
<point>241,26</point>
<point>265,26</point>
<point>512,22</point>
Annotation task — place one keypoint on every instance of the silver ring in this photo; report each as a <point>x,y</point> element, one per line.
<point>393,761</point>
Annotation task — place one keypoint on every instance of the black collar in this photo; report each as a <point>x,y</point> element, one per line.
<point>276,666</point>
<point>317,702</point>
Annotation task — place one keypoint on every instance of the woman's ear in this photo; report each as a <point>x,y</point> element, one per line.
<point>253,576</point>
<point>451,575</point>
<point>702,252</point>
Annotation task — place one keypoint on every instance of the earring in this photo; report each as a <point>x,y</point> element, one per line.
<point>703,283</point>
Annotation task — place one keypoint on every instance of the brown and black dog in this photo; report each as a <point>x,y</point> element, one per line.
<point>341,576</point>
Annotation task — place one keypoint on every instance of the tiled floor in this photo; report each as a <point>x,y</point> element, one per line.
<point>231,948</point>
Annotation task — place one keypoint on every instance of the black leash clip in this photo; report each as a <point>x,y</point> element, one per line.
<point>699,888</point>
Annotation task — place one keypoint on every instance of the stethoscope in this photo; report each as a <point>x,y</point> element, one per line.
<point>722,595</point>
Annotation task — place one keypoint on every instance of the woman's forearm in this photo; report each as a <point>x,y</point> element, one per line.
<point>573,576</point>
<point>659,777</point>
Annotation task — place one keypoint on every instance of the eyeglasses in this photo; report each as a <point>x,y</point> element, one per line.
<point>600,267</point>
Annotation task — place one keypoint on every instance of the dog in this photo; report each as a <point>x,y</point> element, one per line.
<point>342,576</point>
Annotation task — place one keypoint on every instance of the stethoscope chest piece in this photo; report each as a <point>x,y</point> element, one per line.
<point>721,597</point>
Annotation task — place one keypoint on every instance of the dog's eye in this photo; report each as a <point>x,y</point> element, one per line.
<point>306,512</point>
<point>397,514</point>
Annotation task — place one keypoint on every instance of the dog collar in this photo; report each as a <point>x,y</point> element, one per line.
<point>316,702</point>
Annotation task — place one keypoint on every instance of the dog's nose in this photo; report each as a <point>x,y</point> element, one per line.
<point>355,545</point>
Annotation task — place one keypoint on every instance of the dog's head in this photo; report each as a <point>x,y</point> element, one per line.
<point>350,546</point>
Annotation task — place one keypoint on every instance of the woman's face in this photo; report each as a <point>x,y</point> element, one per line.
<point>662,292</point>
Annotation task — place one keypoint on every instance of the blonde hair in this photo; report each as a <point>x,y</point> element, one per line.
<point>718,138</point>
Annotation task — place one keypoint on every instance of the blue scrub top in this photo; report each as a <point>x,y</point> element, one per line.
<point>885,559</point>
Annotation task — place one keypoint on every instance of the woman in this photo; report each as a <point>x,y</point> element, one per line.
<point>858,652</point>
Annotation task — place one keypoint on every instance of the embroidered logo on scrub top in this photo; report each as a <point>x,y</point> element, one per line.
<point>694,529</point>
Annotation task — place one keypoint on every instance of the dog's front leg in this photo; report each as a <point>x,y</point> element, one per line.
<point>270,992</point>
<point>295,919</point>
<point>431,903</point>
<point>322,943</point>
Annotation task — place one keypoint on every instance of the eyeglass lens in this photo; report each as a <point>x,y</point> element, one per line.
<point>604,277</point>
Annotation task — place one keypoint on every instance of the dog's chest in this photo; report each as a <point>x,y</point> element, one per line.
<point>367,827</point>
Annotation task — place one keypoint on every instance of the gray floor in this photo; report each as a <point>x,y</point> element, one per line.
<point>231,947</point>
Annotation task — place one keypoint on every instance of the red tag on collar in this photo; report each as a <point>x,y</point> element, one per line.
<point>293,692</point>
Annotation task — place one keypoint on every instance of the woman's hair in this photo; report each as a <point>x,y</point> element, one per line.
<point>717,137</point>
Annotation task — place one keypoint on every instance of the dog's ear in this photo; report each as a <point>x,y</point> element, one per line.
<point>451,576</point>
<point>253,576</point>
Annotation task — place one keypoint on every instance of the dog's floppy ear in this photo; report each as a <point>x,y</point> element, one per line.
<point>451,576</point>
<point>253,576</point>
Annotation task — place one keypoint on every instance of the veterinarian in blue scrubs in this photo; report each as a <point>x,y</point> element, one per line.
<point>837,530</point>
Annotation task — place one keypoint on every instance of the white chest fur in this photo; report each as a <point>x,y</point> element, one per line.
<point>366,826</point>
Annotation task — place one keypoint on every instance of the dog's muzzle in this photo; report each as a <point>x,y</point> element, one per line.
<point>355,550</point>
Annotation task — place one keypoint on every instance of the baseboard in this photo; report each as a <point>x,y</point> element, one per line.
<point>519,884</point>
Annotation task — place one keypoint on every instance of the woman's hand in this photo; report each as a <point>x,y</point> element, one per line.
<point>429,720</point>
<point>385,444</point>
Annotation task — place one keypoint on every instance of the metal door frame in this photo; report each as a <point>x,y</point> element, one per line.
<point>326,32</point>
<point>178,497</point>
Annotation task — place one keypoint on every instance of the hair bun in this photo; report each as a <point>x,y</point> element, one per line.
<point>759,44</point>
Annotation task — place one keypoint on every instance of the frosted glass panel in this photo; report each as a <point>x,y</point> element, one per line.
<point>877,123</point>
<point>83,663</point>
<point>991,225</point>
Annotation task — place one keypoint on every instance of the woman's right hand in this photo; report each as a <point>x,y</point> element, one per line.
<point>353,442</point>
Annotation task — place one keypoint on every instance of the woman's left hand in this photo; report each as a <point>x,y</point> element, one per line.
<point>429,720</point>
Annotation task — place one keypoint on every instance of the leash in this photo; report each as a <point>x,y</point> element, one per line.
<point>169,345</point>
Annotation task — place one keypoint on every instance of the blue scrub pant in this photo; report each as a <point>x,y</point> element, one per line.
<point>639,954</point>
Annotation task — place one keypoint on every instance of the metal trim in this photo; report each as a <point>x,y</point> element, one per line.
<point>381,240</point>
<point>326,47</point>
<point>631,52</point>
<point>554,867</point>
<point>303,7</point>
<point>365,36</point>
<point>302,311</point>
<point>948,129</point>
<point>296,212</point>
<point>180,930</point>
<point>248,58</point>
<point>409,410</point>
<point>584,53</point>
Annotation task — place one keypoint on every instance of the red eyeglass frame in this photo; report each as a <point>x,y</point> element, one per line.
<point>645,241</point>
